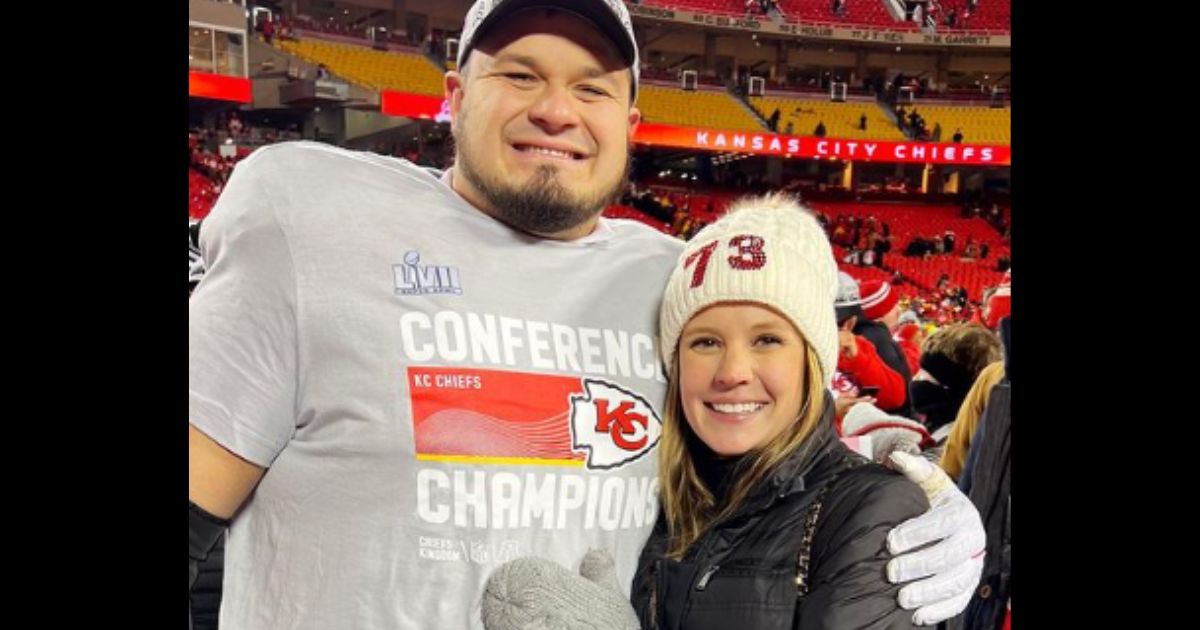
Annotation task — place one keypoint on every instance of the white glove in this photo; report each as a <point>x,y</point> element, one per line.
<point>537,594</point>
<point>955,562</point>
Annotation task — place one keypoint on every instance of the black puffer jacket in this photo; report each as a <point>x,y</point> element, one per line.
<point>741,574</point>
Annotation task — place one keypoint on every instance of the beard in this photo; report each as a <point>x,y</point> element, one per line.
<point>542,205</point>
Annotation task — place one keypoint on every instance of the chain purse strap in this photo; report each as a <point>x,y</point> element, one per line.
<point>804,558</point>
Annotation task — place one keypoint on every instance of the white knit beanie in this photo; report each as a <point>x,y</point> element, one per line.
<point>769,250</point>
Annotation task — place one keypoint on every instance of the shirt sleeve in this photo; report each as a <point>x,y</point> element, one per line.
<point>242,323</point>
<point>869,369</point>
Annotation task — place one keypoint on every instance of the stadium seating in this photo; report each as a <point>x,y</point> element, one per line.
<point>841,119</point>
<point>378,70</point>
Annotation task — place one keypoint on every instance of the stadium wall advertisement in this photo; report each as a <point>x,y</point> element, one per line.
<point>766,143</point>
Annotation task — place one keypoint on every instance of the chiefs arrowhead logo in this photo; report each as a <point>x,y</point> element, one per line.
<point>614,425</point>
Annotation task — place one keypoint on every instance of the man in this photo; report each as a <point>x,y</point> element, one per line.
<point>860,358</point>
<point>870,312</point>
<point>998,303</point>
<point>880,303</point>
<point>400,381</point>
<point>908,336</point>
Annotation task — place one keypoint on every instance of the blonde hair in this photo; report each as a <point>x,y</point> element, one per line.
<point>688,504</point>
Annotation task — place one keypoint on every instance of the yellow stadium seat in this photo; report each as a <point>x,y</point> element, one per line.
<point>841,119</point>
<point>985,125</point>
<point>675,106</point>
<point>375,69</point>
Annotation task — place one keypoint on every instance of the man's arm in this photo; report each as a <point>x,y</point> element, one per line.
<point>940,578</point>
<point>868,369</point>
<point>218,480</point>
<point>888,350</point>
<point>218,484</point>
<point>242,344</point>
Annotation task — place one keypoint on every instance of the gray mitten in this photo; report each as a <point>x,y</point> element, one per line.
<point>537,594</point>
<point>888,433</point>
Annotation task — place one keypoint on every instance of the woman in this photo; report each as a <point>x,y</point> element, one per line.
<point>767,519</point>
<point>951,360</point>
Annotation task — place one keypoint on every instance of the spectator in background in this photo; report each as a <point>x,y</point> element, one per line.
<point>880,303</point>
<point>839,234</point>
<point>862,122</point>
<point>820,129</point>
<point>883,245</point>
<point>678,220</point>
<point>868,312</point>
<point>909,336</point>
<point>773,120</point>
<point>936,136</point>
<point>958,136</point>
<point>234,125</point>
<point>943,283</point>
<point>859,364</point>
<point>962,298</point>
<point>932,12</point>
<point>972,250</point>
<point>999,304</point>
<point>966,421</point>
<point>951,359</point>
<point>917,247</point>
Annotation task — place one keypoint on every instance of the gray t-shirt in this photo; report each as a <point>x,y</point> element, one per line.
<point>433,392</point>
